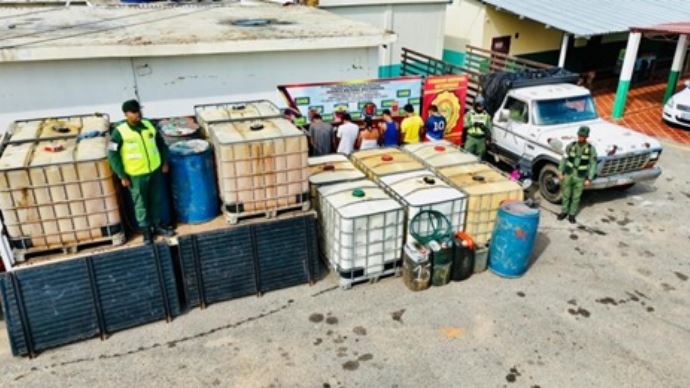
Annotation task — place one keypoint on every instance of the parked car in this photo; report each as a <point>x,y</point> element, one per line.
<point>534,124</point>
<point>677,108</point>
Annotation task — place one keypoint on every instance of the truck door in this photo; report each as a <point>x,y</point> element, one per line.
<point>510,133</point>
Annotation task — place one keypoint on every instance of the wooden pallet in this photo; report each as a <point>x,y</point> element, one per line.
<point>23,254</point>
<point>234,218</point>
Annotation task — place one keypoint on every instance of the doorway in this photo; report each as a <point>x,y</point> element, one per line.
<point>501,44</point>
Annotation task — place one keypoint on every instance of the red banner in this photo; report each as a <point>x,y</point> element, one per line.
<point>448,93</point>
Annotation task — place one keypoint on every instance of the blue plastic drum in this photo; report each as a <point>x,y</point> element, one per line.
<point>513,239</point>
<point>193,180</point>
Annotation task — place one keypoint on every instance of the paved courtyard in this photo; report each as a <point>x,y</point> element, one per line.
<point>643,112</point>
<point>604,305</point>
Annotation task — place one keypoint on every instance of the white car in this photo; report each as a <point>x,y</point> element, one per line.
<point>677,108</point>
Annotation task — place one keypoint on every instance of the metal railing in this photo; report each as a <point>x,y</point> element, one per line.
<point>477,62</point>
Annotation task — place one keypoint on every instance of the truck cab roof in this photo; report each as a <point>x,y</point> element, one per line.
<point>548,92</point>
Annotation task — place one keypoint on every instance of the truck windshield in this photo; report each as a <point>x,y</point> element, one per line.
<point>564,110</point>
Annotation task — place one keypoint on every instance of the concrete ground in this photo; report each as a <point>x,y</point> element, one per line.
<point>643,111</point>
<point>605,305</point>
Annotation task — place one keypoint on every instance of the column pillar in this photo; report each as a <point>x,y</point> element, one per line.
<point>678,58</point>
<point>626,74</point>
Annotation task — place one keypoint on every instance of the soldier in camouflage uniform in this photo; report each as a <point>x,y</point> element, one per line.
<point>577,170</point>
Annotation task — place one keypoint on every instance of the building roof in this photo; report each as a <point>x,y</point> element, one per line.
<point>358,3</point>
<point>597,17</point>
<point>666,28</point>
<point>32,34</point>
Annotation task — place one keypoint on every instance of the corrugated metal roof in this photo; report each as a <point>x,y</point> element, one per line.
<point>597,17</point>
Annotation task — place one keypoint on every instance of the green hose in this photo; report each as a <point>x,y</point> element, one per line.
<point>439,227</point>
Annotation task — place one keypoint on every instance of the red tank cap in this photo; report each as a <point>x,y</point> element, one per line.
<point>386,158</point>
<point>439,148</point>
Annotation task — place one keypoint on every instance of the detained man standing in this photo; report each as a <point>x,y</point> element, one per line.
<point>137,155</point>
<point>412,126</point>
<point>435,125</point>
<point>321,135</point>
<point>347,134</point>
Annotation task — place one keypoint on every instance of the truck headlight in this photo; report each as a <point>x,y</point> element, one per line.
<point>670,103</point>
<point>654,155</point>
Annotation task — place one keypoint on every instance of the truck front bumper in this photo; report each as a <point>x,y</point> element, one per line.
<point>625,179</point>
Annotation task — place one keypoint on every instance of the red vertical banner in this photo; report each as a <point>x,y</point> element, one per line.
<point>448,93</point>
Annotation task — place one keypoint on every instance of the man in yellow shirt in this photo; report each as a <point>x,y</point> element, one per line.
<point>412,126</point>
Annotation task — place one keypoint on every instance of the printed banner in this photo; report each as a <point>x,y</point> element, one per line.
<point>359,98</point>
<point>448,93</point>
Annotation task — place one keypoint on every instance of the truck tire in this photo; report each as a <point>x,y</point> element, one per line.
<point>549,186</point>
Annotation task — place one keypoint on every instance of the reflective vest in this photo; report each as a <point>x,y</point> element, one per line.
<point>139,152</point>
<point>572,163</point>
<point>477,118</point>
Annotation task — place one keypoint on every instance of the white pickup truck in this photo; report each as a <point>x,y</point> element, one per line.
<point>534,125</point>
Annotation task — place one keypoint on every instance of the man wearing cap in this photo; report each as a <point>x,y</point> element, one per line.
<point>478,126</point>
<point>137,155</point>
<point>577,170</point>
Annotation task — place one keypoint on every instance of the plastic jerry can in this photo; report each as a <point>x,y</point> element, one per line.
<point>416,266</point>
<point>442,259</point>
<point>481,259</point>
<point>463,257</point>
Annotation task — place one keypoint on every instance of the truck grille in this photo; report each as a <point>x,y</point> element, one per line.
<point>624,164</point>
<point>684,108</point>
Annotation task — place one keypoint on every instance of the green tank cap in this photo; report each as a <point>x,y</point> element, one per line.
<point>359,193</point>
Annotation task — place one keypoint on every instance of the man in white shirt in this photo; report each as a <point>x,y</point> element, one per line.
<point>347,134</point>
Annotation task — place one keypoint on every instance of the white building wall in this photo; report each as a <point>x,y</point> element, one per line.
<point>420,27</point>
<point>465,24</point>
<point>168,86</point>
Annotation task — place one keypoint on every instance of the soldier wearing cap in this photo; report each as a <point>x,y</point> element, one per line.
<point>478,128</point>
<point>137,155</point>
<point>577,170</point>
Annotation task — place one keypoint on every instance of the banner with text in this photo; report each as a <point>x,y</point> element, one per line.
<point>359,98</point>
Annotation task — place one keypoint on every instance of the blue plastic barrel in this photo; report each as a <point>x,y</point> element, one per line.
<point>513,239</point>
<point>193,179</point>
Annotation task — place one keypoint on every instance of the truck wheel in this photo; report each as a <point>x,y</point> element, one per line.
<point>549,185</point>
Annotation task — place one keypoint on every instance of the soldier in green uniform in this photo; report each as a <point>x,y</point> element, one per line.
<point>478,128</point>
<point>137,155</point>
<point>577,170</point>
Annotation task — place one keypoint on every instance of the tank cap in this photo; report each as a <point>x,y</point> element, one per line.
<point>328,167</point>
<point>54,148</point>
<point>439,148</point>
<point>239,107</point>
<point>478,178</point>
<point>60,129</point>
<point>429,180</point>
<point>359,193</point>
<point>386,158</point>
<point>256,126</point>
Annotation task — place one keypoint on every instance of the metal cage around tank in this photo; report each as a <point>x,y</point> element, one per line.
<point>362,230</point>
<point>262,166</point>
<point>50,204</point>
